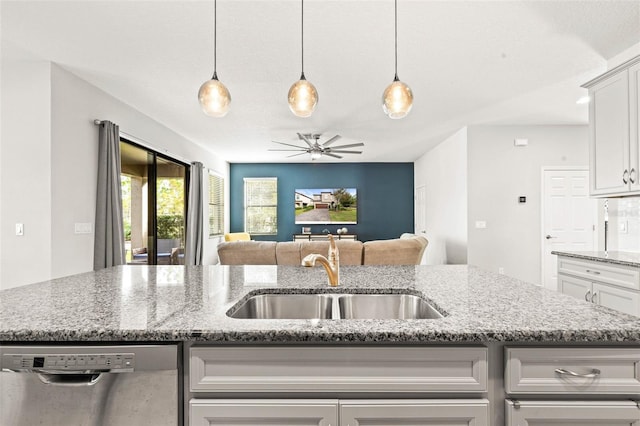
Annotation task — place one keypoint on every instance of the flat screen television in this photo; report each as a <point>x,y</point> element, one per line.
<point>326,206</point>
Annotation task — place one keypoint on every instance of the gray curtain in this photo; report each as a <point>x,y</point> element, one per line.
<point>109,237</point>
<point>195,230</point>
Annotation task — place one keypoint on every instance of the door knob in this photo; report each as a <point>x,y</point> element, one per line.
<point>548,237</point>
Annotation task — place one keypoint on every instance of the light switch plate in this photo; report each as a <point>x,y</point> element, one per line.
<point>19,229</point>
<point>83,228</point>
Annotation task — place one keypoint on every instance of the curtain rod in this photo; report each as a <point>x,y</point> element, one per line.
<point>146,144</point>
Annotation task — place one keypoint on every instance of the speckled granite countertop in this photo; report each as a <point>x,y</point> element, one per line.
<point>615,257</point>
<point>174,303</point>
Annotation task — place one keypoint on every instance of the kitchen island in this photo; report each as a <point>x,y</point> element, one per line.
<point>176,303</point>
<point>606,278</point>
<point>491,325</point>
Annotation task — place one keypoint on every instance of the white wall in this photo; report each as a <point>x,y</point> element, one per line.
<point>498,174</point>
<point>49,150</point>
<point>25,168</point>
<point>443,173</point>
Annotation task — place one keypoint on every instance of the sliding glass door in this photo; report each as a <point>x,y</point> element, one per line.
<point>154,202</point>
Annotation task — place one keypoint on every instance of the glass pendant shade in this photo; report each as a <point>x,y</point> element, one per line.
<point>214,98</point>
<point>303,98</point>
<point>397,99</point>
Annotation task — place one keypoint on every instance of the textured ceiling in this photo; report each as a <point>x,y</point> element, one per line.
<point>468,62</point>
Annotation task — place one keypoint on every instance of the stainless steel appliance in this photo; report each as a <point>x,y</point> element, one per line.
<point>89,385</point>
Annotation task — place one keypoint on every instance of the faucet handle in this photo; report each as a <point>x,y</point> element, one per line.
<point>334,255</point>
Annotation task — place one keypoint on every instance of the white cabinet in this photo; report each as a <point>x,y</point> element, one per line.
<point>593,386</point>
<point>331,412</point>
<point>614,286</point>
<point>572,413</point>
<point>330,369</point>
<point>565,371</point>
<point>634,114</point>
<point>221,377</point>
<point>613,131</point>
<point>294,412</point>
<point>462,412</point>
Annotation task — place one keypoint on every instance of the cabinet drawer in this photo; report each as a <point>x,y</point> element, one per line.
<point>620,275</point>
<point>267,412</point>
<point>593,413</point>
<point>338,369</point>
<point>467,412</point>
<point>605,371</point>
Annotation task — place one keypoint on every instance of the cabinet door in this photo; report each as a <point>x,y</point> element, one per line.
<point>572,413</point>
<point>616,298</point>
<point>415,412</point>
<point>576,287</point>
<point>257,412</point>
<point>609,135</point>
<point>634,118</point>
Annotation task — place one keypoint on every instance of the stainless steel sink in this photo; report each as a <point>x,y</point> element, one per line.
<point>385,306</point>
<point>335,306</point>
<point>286,306</point>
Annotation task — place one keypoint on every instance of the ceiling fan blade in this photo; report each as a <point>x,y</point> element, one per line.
<point>304,138</point>
<point>301,149</point>
<point>351,145</point>
<point>332,155</point>
<point>330,141</point>
<point>295,155</point>
<point>288,144</point>
<point>341,151</point>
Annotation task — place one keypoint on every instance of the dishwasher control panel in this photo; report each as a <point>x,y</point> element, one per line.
<point>111,362</point>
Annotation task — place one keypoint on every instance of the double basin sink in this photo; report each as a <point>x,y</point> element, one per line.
<point>335,306</point>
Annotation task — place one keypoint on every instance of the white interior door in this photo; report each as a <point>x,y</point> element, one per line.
<point>568,218</point>
<point>421,210</point>
<point>421,215</point>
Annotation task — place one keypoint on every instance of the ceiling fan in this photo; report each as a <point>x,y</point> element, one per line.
<point>317,149</point>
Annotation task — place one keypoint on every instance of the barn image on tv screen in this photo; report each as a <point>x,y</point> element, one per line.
<point>326,206</point>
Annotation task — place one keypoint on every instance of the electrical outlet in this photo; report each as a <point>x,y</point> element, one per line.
<point>481,224</point>
<point>501,270</point>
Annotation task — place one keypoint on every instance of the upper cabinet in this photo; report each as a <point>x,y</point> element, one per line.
<point>614,137</point>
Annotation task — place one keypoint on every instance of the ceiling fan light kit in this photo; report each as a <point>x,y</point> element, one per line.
<point>317,150</point>
<point>214,97</point>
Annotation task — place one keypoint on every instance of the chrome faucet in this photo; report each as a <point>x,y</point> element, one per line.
<point>331,265</point>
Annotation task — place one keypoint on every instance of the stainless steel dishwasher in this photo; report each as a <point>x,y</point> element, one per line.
<point>89,385</point>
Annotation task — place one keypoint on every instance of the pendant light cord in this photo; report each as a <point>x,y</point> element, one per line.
<point>396,37</point>
<point>215,30</point>
<point>302,38</point>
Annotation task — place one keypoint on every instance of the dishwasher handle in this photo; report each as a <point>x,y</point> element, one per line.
<point>70,380</point>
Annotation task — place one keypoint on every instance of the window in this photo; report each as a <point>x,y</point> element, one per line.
<point>261,206</point>
<point>216,205</point>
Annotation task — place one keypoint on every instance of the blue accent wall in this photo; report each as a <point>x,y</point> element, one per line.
<point>385,195</point>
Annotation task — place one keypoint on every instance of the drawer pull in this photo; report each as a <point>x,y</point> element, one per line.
<point>594,373</point>
<point>587,296</point>
<point>593,272</point>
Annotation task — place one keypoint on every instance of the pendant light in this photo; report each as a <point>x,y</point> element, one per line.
<point>303,96</point>
<point>397,98</point>
<point>214,97</point>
